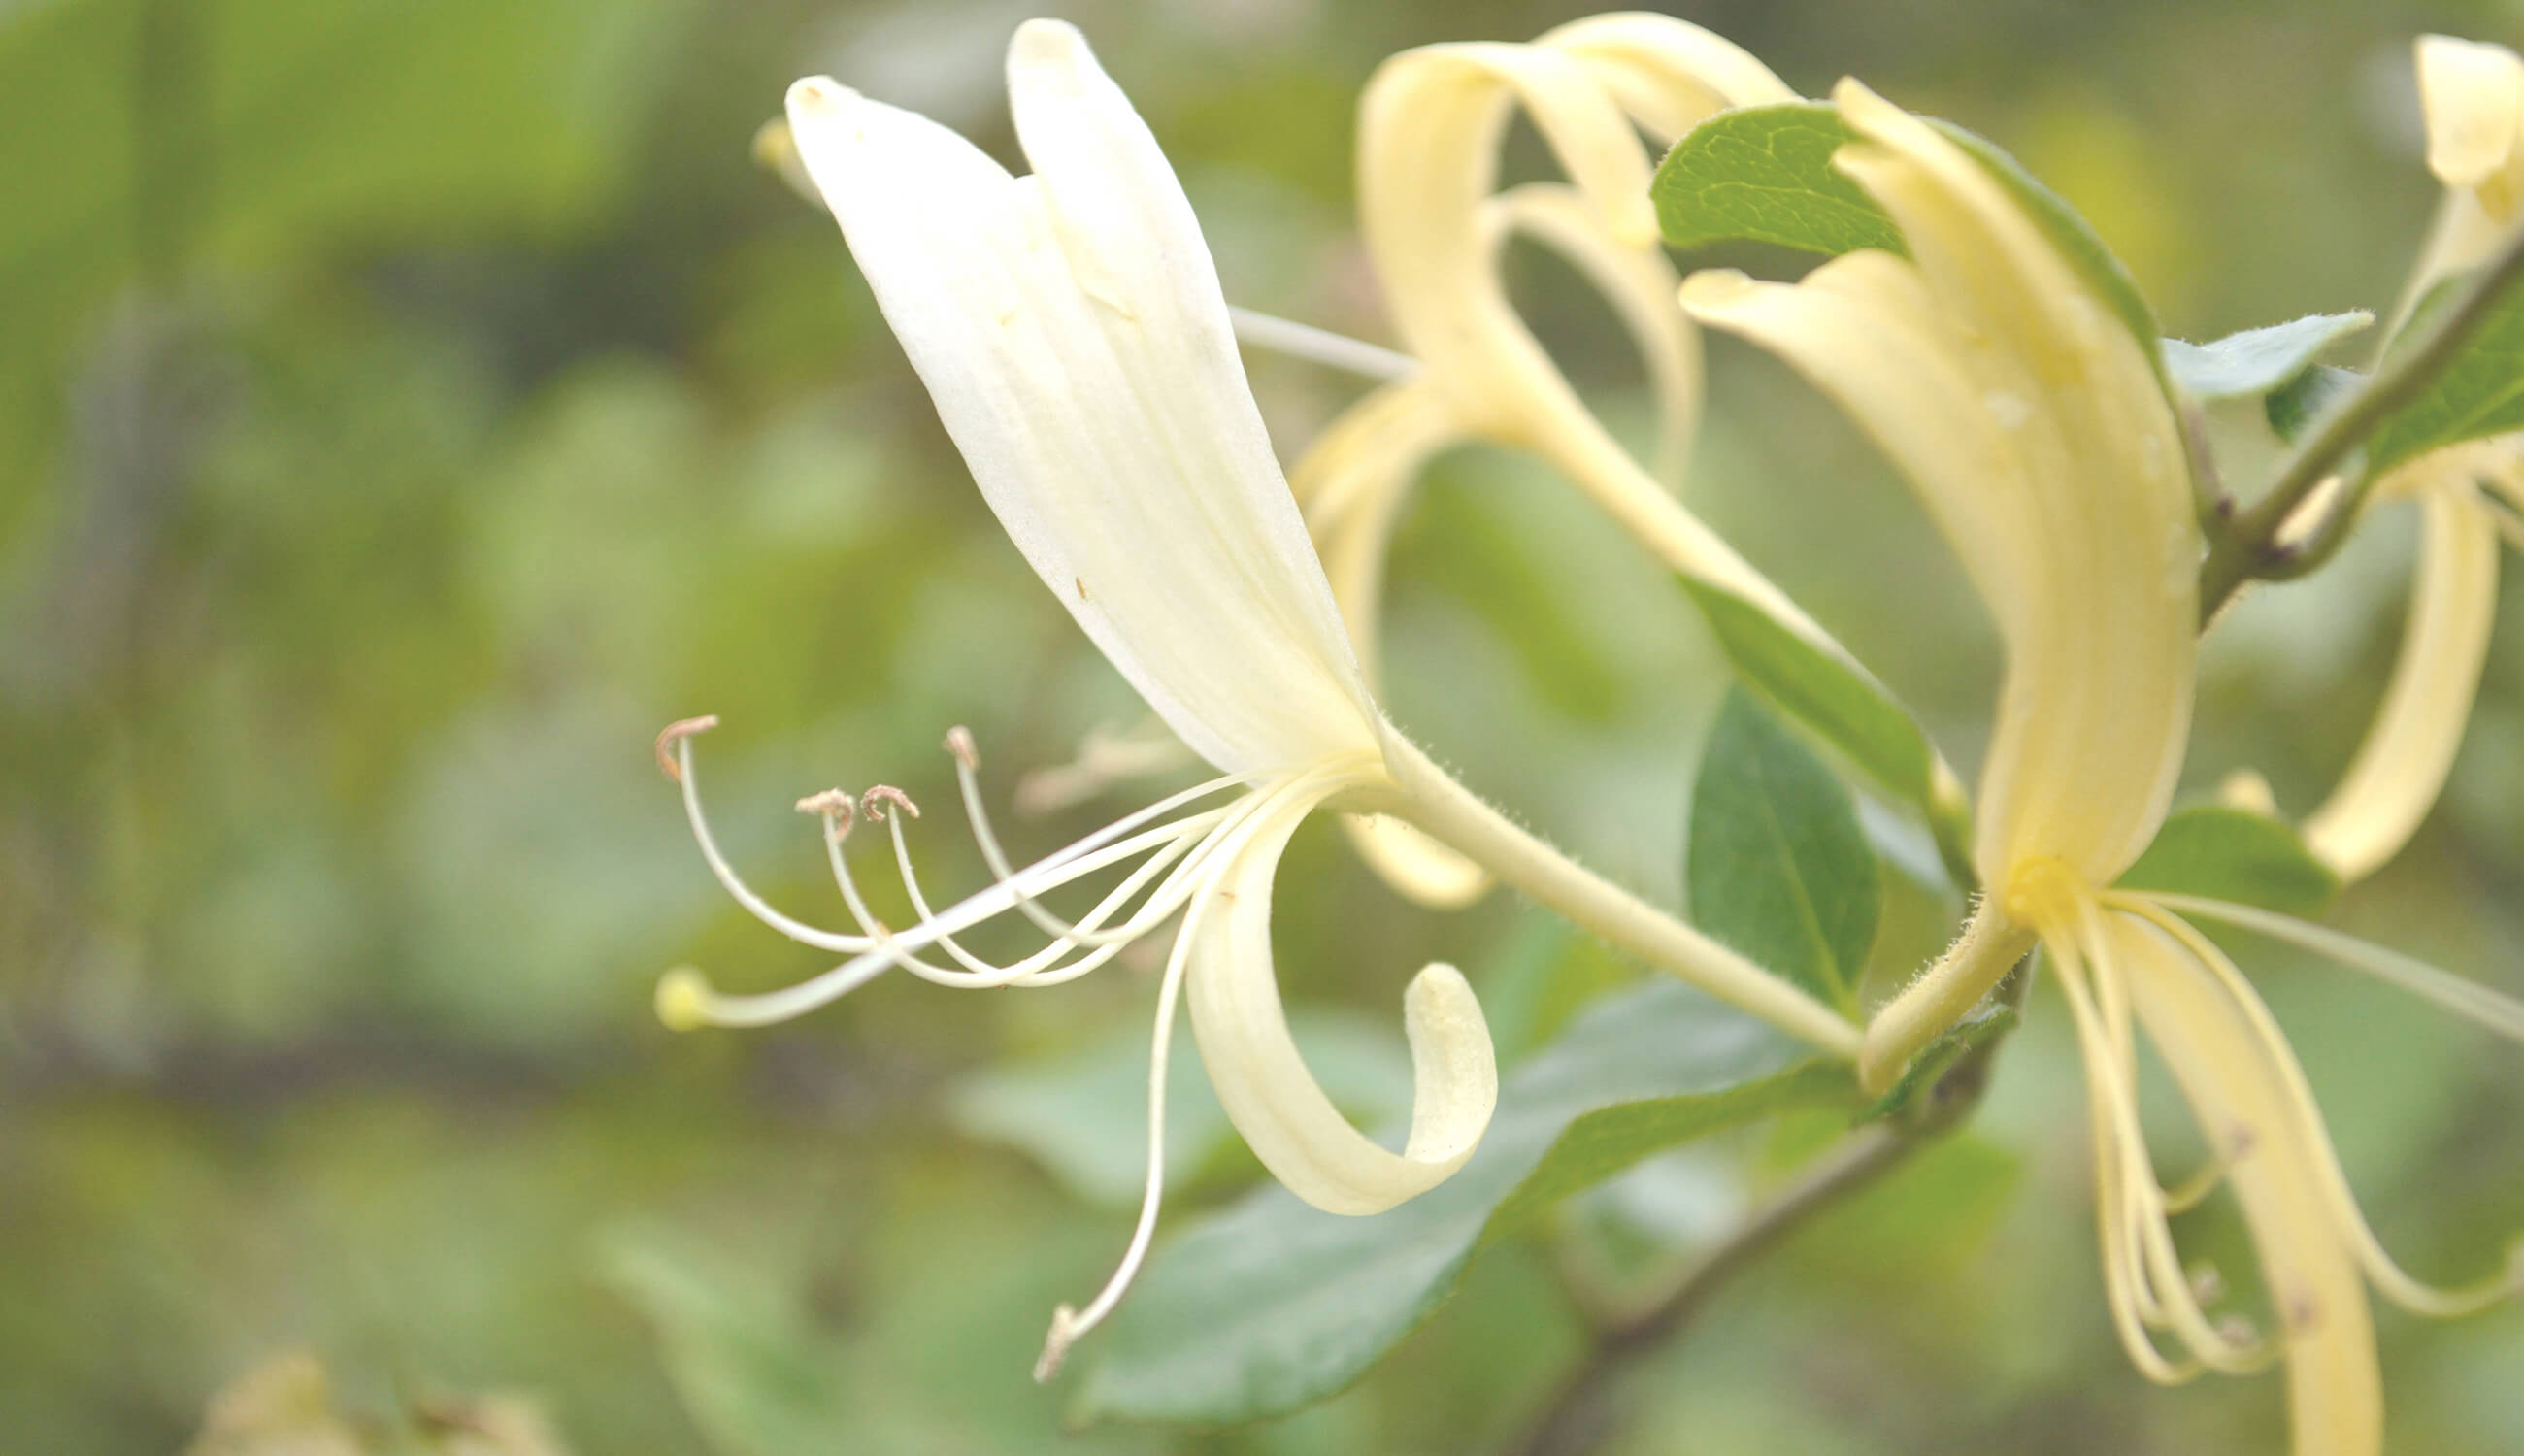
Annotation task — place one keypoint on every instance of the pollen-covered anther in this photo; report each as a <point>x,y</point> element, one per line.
<point>2207,1285</point>
<point>959,742</point>
<point>873,801</point>
<point>683,1000</point>
<point>673,735</point>
<point>834,802</point>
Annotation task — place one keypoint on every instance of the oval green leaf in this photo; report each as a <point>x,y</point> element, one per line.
<point>1765,174</point>
<point>1779,866</point>
<point>1271,1305</point>
<point>2233,854</point>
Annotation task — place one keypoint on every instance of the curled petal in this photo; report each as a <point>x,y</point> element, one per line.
<point>1670,74</point>
<point>1639,284</point>
<point>1070,328</point>
<point>1275,1102</point>
<point>2309,1263</point>
<point>2402,765</point>
<point>1429,128</point>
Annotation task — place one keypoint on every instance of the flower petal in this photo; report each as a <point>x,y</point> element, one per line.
<point>2471,96</point>
<point>1262,1080</point>
<point>1638,282</point>
<point>1670,74</point>
<point>2034,426</point>
<point>2408,750</point>
<point>1429,126</point>
<point>2246,1105</point>
<point>1072,334</point>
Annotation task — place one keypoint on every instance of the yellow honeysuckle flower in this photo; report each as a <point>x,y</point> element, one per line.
<point>2472,98</point>
<point>1436,224</point>
<point>1071,332</point>
<point>2032,423</point>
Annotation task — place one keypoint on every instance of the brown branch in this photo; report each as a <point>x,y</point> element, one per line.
<point>2246,546</point>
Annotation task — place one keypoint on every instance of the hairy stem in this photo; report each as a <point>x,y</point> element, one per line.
<point>1433,802</point>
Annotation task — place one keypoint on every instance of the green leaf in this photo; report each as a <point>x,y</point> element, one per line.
<point>2233,854</point>
<point>1850,710</point>
<point>1269,1305</point>
<point>1778,867</point>
<point>2294,407</point>
<point>2480,393</point>
<point>1763,175</point>
<point>2257,360</point>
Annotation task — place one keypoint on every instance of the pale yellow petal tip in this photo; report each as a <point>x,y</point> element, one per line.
<point>2470,94</point>
<point>818,98</point>
<point>1441,988</point>
<point>2244,788</point>
<point>1046,42</point>
<point>1712,290</point>
<point>683,1000</point>
<point>1859,104</point>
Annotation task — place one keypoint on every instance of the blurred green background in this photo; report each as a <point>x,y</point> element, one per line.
<point>405,409</point>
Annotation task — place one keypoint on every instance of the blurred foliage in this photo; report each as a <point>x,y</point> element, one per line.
<point>405,409</point>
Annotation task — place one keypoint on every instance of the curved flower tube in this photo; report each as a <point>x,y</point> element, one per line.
<point>2031,423</point>
<point>1071,332</point>
<point>2472,98</point>
<point>1430,124</point>
<point>1436,228</point>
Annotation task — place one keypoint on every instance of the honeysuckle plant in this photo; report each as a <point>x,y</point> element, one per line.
<point>1070,328</point>
<point>1072,332</point>
<point>2040,435</point>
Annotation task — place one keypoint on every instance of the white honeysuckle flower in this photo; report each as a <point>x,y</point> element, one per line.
<point>2033,426</point>
<point>2472,99</point>
<point>1071,331</point>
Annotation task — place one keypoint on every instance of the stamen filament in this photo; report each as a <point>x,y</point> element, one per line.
<point>859,944</point>
<point>1069,1325</point>
<point>2166,1293</point>
<point>1320,346</point>
<point>2479,1004</point>
<point>1087,932</point>
<point>959,744</point>
<point>2395,1282</point>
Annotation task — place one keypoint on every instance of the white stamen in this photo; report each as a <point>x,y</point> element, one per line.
<point>1068,1325</point>
<point>1319,345</point>
<point>2464,998</point>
